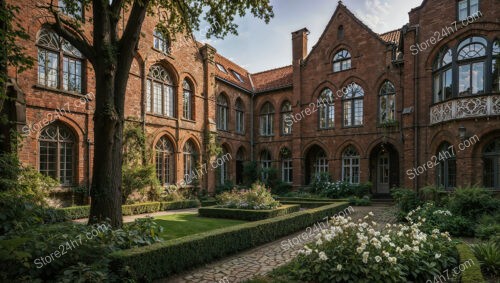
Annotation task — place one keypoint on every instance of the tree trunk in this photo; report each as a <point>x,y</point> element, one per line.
<point>108,137</point>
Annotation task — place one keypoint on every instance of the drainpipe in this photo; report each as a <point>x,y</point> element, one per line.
<point>252,142</point>
<point>416,126</point>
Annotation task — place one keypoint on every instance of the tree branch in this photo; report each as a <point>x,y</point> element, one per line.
<point>133,29</point>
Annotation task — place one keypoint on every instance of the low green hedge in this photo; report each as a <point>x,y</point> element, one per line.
<point>164,259</point>
<point>76,212</point>
<point>281,199</point>
<point>246,214</point>
<point>472,273</point>
<point>307,204</point>
<point>205,203</point>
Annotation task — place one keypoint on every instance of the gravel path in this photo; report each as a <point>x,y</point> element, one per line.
<point>263,259</point>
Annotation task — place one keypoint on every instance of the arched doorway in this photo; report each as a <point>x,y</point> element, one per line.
<point>384,168</point>
<point>316,163</point>
<point>240,159</point>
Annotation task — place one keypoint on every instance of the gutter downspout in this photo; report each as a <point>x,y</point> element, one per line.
<point>416,126</point>
<point>252,142</point>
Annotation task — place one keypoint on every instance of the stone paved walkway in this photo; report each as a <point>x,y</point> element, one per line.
<point>131,218</point>
<point>263,259</point>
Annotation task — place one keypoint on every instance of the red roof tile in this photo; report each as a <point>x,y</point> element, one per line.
<point>230,76</point>
<point>391,36</point>
<point>273,79</point>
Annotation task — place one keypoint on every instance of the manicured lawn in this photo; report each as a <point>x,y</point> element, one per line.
<point>180,225</point>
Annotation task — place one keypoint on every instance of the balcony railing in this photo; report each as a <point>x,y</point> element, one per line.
<point>466,107</point>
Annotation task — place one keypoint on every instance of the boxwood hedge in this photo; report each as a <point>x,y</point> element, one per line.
<point>307,204</point>
<point>76,212</point>
<point>164,259</point>
<point>246,214</point>
<point>472,272</point>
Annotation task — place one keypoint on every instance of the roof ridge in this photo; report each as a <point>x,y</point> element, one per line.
<point>270,70</point>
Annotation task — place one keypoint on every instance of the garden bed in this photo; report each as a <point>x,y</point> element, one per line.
<point>164,259</point>
<point>247,214</point>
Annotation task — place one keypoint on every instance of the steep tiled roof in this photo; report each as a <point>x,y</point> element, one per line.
<point>391,36</point>
<point>229,76</point>
<point>273,79</point>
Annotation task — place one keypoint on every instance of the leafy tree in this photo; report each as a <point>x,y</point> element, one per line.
<point>111,51</point>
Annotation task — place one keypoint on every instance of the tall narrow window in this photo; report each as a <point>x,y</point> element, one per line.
<point>443,76</point>
<point>190,154</point>
<point>266,120</point>
<point>491,161</point>
<point>165,161</point>
<point>446,171</point>
<point>265,164</point>
<point>57,153</point>
<point>187,101</point>
<point>54,52</point>
<point>387,102</point>
<point>342,61</point>
<point>340,32</point>
<point>320,163</point>
<point>353,105</point>
<point>286,165</point>
<point>160,92</point>
<point>223,167</point>
<point>286,118</point>
<point>160,41</point>
<point>350,165</point>
<point>471,66</point>
<point>467,8</point>
<point>326,107</point>
<point>496,66</point>
<point>222,112</point>
<point>240,116</point>
<point>240,159</point>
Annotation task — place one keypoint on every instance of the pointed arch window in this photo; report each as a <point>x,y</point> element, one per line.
<point>286,165</point>
<point>286,118</point>
<point>165,161</point>
<point>240,159</point>
<point>446,171</point>
<point>223,167</point>
<point>320,163</point>
<point>190,154</point>
<point>342,61</point>
<point>350,165</point>
<point>160,92</point>
<point>443,79</point>
<point>353,105</point>
<point>387,102</point>
<point>187,100</point>
<point>266,120</point>
<point>340,32</point>
<point>326,109</point>
<point>222,112</point>
<point>57,153</point>
<point>491,163</point>
<point>240,116</point>
<point>60,65</point>
<point>265,164</point>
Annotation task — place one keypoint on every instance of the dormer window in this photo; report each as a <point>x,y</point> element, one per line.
<point>221,68</point>
<point>238,76</point>
<point>342,61</point>
<point>466,8</point>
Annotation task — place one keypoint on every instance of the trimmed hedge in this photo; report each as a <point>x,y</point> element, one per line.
<point>76,212</point>
<point>471,274</point>
<point>246,214</point>
<point>281,199</point>
<point>307,204</point>
<point>164,259</point>
<point>205,203</point>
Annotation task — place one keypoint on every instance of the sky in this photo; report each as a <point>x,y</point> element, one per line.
<point>260,47</point>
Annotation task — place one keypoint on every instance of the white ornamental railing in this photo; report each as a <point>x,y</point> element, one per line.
<point>467,107</point>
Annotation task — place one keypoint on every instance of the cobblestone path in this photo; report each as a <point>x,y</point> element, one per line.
<point>263,259</point>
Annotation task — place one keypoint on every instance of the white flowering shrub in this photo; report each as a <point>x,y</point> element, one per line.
<point>355,252</point>
<point>257,198</point>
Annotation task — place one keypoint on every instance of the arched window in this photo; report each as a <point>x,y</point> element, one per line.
<point>223,166</point>
<point>187,100</point>
<point>240,159</point>
<point>471,66</point>
<point>496,66</point>
<point>266,120</point>
<point>340,32</point>
<point>222,112</point>
<point>443,79</point>
<point>160,92</point>
<point>446,171</point>
<point>240,116</point>
<point>265,164</point>
<point>286,165</point>
<point>57,153</point>
<point>353,105</point>
<point>387,102</point>
<point>320,163</point>
<point>350,165</point>
<point>286,118</point>
<point>326,107</point>
<point>190,154</point>
<point>342,61</point>
<point>160,41</point>
<point>55,53</point>
<point>165,161</point>
<point>491,161</point>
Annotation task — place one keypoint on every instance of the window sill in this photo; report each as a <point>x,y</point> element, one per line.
<point>333,73</point>
<point>72,93</point>
<point>188,120</point>
<point>266,136</point>
<point>326,129</point>
<point>352,127</point>
<point>224,131</point>
<point>241,133</point>
<point>163,53</point>
<point>161,116</point>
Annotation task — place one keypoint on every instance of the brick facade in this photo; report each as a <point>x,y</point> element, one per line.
<point>400,146</point>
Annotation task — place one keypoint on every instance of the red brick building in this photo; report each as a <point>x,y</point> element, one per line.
<point>411,107</point>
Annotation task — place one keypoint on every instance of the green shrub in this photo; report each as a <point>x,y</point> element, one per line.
<point>141,179</point>
<point>226,187</point>
<point>357,201</point>
<point>406,200</point>
<point>300,194</point>
<point>472,274</point>
<point>320,182</point>
<point>173,205</point>
<point>488,227</point>
<point>246,214</point>
<point>434,194</point>
<point>281,188</point>
<point>250,173</point>
<point>324,187</point>
<point>488,255</point>
<point>318,199</point>
<point>208,202</point>
<point>258,198</point>
<point>164,259</point>
<point>473,203</point>
<point>307,204</point>
<point>74,212</point>
<point>140,208</point>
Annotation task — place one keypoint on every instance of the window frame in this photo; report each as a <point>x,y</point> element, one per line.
<point>390,96</point>
<point>468,9</point>
<point>351,98</point>
<point>326,109</point>
<point>349,155</point>
<point>239,109</point>
<point>167,98</point>
<point>266,120</point>
<point>187,104</point>
<point>164,154</point>
<point>286,112</point>
<point>287,170</point>
<point>443,172</point>
<point>188,152</point>
<point>266,163</point>
<point>162,40</point>
<point>341,57</point>
<point>222,112</point>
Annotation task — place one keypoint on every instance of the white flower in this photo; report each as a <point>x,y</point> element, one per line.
<point>438,255</point>
<point>393,260</point>
<point>365,257</point>
<point>416,249</point>
<point>378,259</point>
<point>339,267</point>
<point>360,249</point>
<point>370,213</point>
<point>319,242</point>
<point>386,254</point>
<point>322,256</point>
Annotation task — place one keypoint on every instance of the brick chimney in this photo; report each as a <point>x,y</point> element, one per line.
<point>299,44</point>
